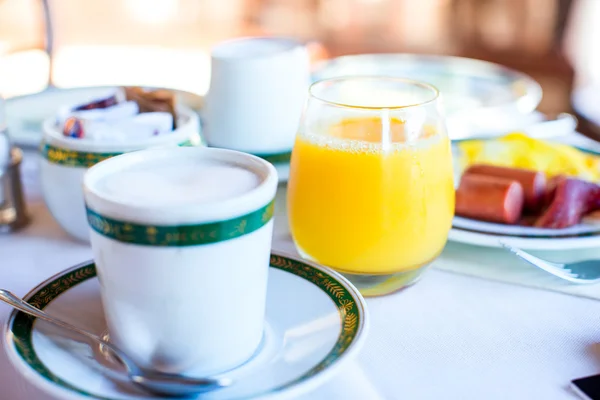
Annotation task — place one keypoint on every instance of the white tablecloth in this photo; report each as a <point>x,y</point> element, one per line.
<point>448,337</point>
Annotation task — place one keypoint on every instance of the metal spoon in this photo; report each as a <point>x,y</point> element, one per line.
<point>578,272</point>
<point>152,381</point>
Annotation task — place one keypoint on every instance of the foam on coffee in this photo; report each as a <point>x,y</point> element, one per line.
<point>176,182</point>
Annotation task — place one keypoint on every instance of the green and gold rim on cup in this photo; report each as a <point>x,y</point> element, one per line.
<point>276,158</point>
<point>74,158</point>
<point>347,301</point>
<point>283,157</point>
<point>180,235</point>
<point>85,159</point>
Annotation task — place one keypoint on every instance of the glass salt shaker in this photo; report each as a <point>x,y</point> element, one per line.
<point>13,213</point>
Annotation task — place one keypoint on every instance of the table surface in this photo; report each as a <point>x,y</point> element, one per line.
<point>450,336</point>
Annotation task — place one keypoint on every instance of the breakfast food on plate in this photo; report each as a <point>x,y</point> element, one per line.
<point>120,115</point>
<point>557,182</point>
<point>517,150</point>
<point>532,182</point>
<point>571,200</point>
<point>490,198</point>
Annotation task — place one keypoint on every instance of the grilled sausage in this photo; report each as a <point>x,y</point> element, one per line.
<point>490,198</point>
<point>533,182</point>
<point>571,200</point>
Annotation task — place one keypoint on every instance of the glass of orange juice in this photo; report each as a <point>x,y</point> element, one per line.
<point>371,190</point>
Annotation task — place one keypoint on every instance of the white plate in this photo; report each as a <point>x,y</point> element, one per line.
<point>492,240</point>
<point>482,233</point>
<point>480,98</point>
<point>315,322</point>
<point>580,230</point>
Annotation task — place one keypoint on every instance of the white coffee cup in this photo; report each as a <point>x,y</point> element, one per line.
<point>257,91</point>
<point>181,239</point>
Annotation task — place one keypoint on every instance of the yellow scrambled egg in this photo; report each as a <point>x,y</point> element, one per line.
<point>520,151</point>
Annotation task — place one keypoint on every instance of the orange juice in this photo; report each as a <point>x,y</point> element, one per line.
<point>366,204</point>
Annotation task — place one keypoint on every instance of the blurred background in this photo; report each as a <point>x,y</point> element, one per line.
<point>167,42</point>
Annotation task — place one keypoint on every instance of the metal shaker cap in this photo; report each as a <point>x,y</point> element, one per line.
<point>13,209</point>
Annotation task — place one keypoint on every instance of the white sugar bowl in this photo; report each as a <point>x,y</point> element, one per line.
<point>65,160</point>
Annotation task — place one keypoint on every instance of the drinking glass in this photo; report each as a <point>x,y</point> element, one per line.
<point>371,190</point>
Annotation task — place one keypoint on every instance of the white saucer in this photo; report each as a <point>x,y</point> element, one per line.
<point>315,322</point>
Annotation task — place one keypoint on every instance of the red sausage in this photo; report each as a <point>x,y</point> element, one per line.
<point>533,182</point>
<point>490,198</point>
<point>571,200</point>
